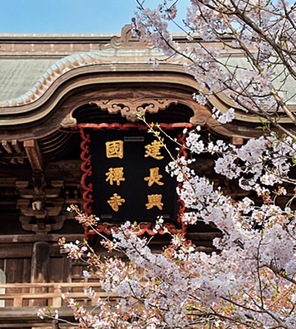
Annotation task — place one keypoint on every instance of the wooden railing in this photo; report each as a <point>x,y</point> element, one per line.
<point>46,294</point>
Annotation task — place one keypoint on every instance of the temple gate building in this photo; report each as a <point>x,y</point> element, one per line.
<point>70,134</point>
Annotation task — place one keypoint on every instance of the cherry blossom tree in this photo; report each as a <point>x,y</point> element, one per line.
<point>249,281</point>
<point>261,32</point>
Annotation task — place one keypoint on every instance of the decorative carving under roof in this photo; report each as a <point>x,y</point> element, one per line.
<point>68,121</point>
<point>132,108</point>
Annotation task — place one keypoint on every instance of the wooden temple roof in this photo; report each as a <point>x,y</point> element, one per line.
<point>37,73</point>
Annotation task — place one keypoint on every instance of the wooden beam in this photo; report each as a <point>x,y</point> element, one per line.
<point>237,140</point>
<point>21,250</point>
<point>35,158</point>
<point>24,316</point>
<point>7,147</point>
<point>24,250</point>
<point>16,145</point>
<point>29,238</point>
<point>34,155</point>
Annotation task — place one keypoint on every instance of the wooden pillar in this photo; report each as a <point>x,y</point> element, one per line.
<point>40,262</point>
<point>2,290</point>
<point>40,270</point>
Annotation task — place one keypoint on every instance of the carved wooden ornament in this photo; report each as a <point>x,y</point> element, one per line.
<point>131,109</point>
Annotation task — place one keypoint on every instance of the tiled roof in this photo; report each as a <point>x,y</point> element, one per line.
<point>19,76</point>
<point>24,80</point>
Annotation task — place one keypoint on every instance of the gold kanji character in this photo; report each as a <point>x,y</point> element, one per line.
<point>114,149</point>
<point>115,201</point>
<point>153,150</point>
<point>115,175</point>
<point>154,200</point>
<point>154,177</point>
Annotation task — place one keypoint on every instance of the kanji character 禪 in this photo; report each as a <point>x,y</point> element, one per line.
<point>114,149</point>
<point>153,150</point>
<point>154,177</point>
<point>154,200</point>
<point>115,175</point>
<point>116,201</point>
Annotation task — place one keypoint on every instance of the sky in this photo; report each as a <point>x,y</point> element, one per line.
<point>66,16</point>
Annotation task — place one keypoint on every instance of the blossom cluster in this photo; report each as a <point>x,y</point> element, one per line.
<point>265,160</point>
<point>262,32</point>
